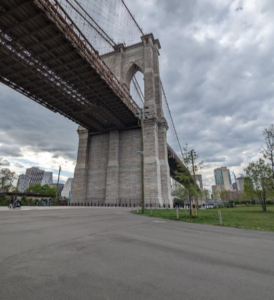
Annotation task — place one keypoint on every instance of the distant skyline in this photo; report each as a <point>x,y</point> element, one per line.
<point>217,69</point>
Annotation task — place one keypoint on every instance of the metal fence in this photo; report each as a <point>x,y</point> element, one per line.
<point>115,202</point>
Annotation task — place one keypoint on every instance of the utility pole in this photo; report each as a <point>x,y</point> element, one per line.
<point>57,189</point>
<point>194,177</point>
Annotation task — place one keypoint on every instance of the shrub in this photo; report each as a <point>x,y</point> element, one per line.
<point>269,202</point>
<point>24,200</point>
<point>4,201</point>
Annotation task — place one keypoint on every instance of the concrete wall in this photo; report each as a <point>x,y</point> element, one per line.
<point>113,167</point>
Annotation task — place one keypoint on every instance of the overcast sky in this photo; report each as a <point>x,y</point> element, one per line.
<point>217,70</point>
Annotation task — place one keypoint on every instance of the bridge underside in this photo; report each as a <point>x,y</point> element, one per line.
<point>43,58</point>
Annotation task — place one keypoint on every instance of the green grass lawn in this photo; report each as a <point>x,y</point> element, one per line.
<point>248,217</point>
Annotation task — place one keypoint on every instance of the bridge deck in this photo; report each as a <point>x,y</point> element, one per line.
<point>44,57</point>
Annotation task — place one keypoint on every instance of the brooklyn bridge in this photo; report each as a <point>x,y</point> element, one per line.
<point>58,54</point>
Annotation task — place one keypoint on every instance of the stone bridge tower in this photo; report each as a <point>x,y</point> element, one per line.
<point>108,165</point>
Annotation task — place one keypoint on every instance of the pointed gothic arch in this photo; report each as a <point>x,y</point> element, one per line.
<point>132,70</point>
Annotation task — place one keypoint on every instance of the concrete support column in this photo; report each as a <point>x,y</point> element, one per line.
<point>165,170</point>
<point>112,180</point>
<point>119,62</point>
<point>81,170</point>
<point>157,81</point>
<point>153,191</point>
<point>149,81</point>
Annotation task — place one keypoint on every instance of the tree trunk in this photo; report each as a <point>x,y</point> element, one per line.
<point>264,207</point>
<point>263,202</point>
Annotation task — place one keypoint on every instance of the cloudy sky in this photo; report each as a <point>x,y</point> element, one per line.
<point>217,70</point>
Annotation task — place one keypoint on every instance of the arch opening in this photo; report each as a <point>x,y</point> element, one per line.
<point>135,82</point>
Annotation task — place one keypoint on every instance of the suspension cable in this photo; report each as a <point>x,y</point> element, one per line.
<point>106,37</point>
<point>132,17</point>
<point>171,119</point>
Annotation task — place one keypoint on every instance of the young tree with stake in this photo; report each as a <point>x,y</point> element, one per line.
<point>260,184</point>
<point>186,174</point>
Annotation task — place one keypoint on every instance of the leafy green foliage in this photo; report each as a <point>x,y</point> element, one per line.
<point>7,178</point>
<point>268,150</point>
<point>259,182</point>
<point>4,200</point>
<point>42,189</point>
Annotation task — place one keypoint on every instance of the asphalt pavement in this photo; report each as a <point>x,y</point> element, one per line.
<point>109,253</point>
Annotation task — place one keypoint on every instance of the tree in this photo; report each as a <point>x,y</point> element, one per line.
<point>45,190</point>
<point>268,151</point>
<point>222,192</point>
<point>186,174</point>
<point>42,189</point>
<point>7,177</point>
<point>248,192</point>
<point>260,183</point>
<point>216,194</point>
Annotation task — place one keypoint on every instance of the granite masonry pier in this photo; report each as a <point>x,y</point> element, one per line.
<point>109,164</point>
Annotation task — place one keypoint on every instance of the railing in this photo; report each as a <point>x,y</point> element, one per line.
<point>60,17</point>
<point>115,202</point>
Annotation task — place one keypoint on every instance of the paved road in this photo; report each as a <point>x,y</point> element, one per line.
<point>108,253</point>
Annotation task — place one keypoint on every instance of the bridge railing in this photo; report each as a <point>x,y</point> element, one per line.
<point>117,202</point>
<point>58,15</point>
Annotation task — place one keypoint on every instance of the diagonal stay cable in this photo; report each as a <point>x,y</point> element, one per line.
<point>132,17</point>
<point>171,119</point>
<point>107,38</point>
<point>138,89</point>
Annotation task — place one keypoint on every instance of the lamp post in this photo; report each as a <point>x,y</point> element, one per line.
<point>142,115</point>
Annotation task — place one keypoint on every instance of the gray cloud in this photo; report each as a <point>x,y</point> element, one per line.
<point>27,124</point>
<point>217,69</point>
<point>18,165</point>
<point>5,163</point>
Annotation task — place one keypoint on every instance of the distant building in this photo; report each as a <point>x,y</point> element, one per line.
<point>66,192</point>
<point>206,194</point>
<point>21,182</point>
<point>199,180</point>
<point>222,177</point>
<point>47,179</point>
<point>33,176</point>
<point>240,183</point>
<point>60,186</point>
<point>232,195</point>
<point>234,186</point>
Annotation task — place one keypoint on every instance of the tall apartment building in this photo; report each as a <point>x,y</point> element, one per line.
<point>47,179</point>
<point>33,176</point>
<point>199,180</point>
<point>222,177</point>
<point>66,192</point>
<point>21,182</point>
<point>240,183</point>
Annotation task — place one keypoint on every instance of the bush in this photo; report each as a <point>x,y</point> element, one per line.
<point>269,202</point>
<point>24,200</point>
<point>237,202</point>
<point>4,201</point>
